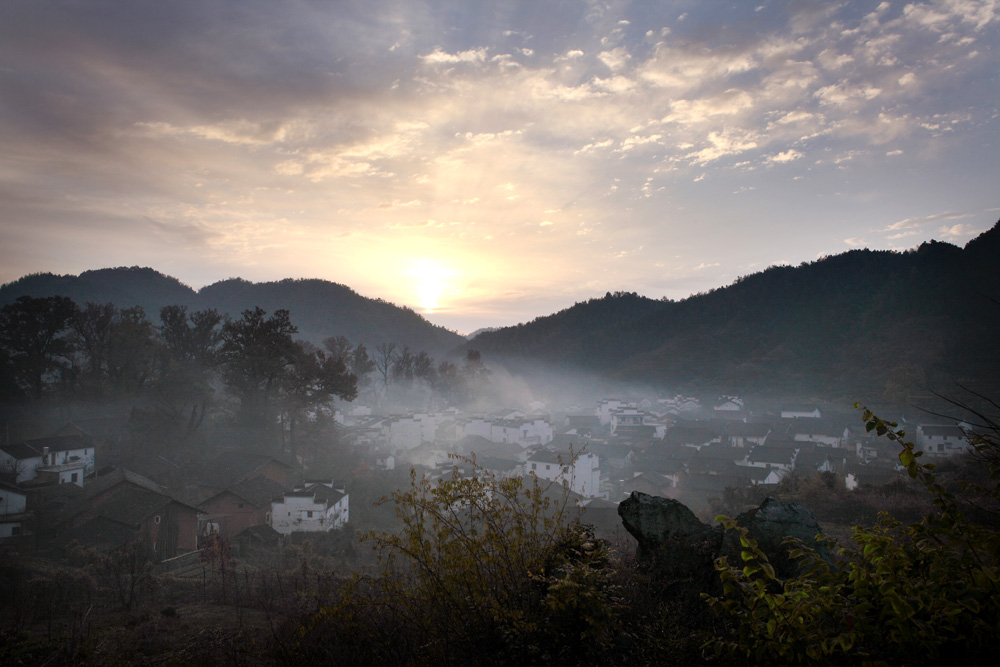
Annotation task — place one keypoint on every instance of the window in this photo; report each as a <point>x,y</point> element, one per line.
<point>309,515</point>
<point>534,466</point>
<point>72,478</point>
<point>15,530</point>
<point>156,519</point>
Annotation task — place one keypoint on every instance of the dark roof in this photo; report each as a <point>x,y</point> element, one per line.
<point>99,532</point>
<point>110,478</point>
<point>258,491</point>
<point>705,484</point>
<point>549,456</point>
<point>720,451</point>
<point>61,443</point>
<point>767,454</point>
<point>690,435</point>
<point>820,427</point>
<point>231,467</point>
<point>712,466</point>
<point>21,451</point>
<point>131,506</point>
<point>942,431</point>
<point>496,464</point>
<point>10,488</point>
<point>326,494</point>
<point>261,534</point>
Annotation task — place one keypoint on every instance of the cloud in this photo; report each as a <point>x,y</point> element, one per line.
<point>615,59</point>
<point>722,144</point>
<point>784,156</point>
<point>959,231</point>
<point>439,57</point>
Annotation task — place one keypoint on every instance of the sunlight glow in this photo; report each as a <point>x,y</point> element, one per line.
<point>431,283</point>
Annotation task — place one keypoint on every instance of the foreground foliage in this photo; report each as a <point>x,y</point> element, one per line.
<point>484,569</point>
<point>901,594</point>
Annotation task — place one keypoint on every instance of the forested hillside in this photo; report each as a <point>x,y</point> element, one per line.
<point>318,308</point>
<point>930,314</point>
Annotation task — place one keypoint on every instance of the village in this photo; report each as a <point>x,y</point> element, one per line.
<point>68,488</point>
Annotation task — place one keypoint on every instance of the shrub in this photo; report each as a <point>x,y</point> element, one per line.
<point>484,570</point>
<point>914,594</point>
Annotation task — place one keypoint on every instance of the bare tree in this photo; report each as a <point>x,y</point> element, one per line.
<point>385,359</point>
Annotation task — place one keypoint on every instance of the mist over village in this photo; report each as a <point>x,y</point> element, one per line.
<point>505,333</point>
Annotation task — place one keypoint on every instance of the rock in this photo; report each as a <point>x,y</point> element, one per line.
<point>670,536</point>
<point>771,524</point>
<point>678,544</point>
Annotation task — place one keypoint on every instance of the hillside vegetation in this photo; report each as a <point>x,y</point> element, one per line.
<point>320,308</point>
<point>842,322</point>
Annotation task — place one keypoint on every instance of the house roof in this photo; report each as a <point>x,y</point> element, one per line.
<point>817,427</point>
<point>61,443</point>
<point>549,456</point>
<point>110,478</point>
<point>131,505</point>
<point>942,431</point>
<point>324,493</point>
<point>767,454</point>
<point>100,532</point>
<point>229,468</point>
<point>258,491</point>
<point>21,451</point>
<point>261,534</point>
<point>690,435</point>
<point>712,466</point>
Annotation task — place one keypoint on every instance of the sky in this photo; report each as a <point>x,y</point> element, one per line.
<point>485,163</point>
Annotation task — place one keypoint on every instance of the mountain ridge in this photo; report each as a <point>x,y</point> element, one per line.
<point>856,319</point>
<point>319,308</point>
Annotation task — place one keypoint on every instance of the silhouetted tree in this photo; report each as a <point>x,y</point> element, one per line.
<point>131,354</point>
<point>93,327</point>
<point>256,354</point>
<point>338,347</point>
<point>384,359</point>
<point>34,335</point>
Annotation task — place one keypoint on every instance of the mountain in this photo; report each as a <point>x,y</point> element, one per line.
<point>318,308</point>
<point>851,320</point>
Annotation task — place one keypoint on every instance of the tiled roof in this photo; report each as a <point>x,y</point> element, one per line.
<point>115,476</point>
<point>548,456</point>
<point>258,491</point>
<point>21,451</point>
<point>942,431</point>
<point>766,454</point>
<point>131,506</point>
<point>61,443</point>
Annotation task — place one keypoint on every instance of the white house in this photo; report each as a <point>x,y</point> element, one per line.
<point>941,440</point>
<point>777,458</point>
<point>606,406</point>
<point>311,507</point>
<point>626,418</point>
<point>820,431</point>
<point>403,433</point>
<point>20,462</point>
<point>581,474</point>
<point>525,432</point>
<point>13,510</point>
<point>679,404</point>
<point>800,412</point>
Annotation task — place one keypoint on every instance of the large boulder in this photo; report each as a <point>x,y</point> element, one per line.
<point>670,536</point>
<point>771,524</point>
<point>678,544</point>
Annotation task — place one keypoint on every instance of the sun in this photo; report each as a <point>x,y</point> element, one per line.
<point>431,282</point>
